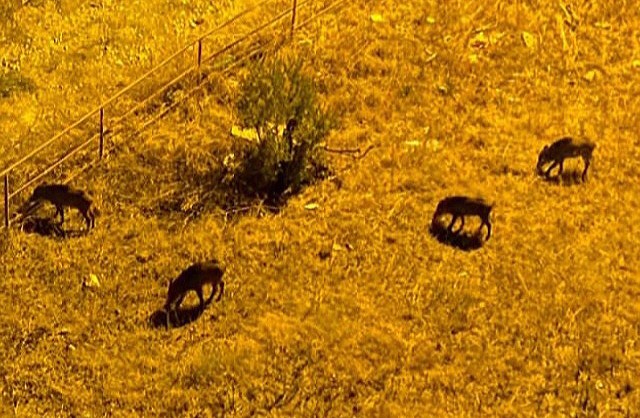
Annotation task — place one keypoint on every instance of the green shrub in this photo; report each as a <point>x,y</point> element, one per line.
<point>277,165</point>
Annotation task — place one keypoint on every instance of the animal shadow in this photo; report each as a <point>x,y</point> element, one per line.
<point>48,227</point>
<point>177,318</point>
<point>567,178</point>
<point>461,240</point>
<point>42,226</point>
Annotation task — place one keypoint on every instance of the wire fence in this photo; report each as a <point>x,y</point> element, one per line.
<point>107,119</point>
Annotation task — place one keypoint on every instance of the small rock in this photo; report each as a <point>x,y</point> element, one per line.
<point>91,281</point>
<point>590,75</point>
<point>528,39</point>
<point>311,206</point>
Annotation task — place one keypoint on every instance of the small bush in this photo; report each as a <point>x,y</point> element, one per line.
<point>13,81</point>
<point>281,161</point>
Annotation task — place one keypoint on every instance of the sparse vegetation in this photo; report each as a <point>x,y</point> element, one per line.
<point>341,304</point>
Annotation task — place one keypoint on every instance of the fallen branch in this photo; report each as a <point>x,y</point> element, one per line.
<point>342,150</point>
<point>350,151</point>
<point>366,151</point>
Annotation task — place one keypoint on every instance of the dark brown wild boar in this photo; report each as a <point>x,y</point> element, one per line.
<point>562,149</point>
<point>63,195</point>
<point>460,206</point>
<point>194,278</point>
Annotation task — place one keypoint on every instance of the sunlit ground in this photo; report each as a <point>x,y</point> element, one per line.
<point>351,307</point>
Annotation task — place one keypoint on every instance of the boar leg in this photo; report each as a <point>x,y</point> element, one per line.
<point>87,219</point>
<point>214,289</point>
<point>587,162</point>
<point>178,301</point>
<point>561,168</point>
<point>221,285</point>
<point>551,167</point>
<point>58,212</point>
<point>92,215</point>
<point>453,221</point>
<point>488,224</point>
<point>201,297</point>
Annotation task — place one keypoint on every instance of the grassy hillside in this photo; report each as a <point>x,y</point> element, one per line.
<point>544,320</point>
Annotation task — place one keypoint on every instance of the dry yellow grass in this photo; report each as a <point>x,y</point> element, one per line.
<point>544,320</point>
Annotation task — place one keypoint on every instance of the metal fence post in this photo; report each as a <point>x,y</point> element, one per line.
<point>6,200</point>
<point>101,152</point>
<point>199,58</point>
<point>293,16</point>
<point>199,61</point>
